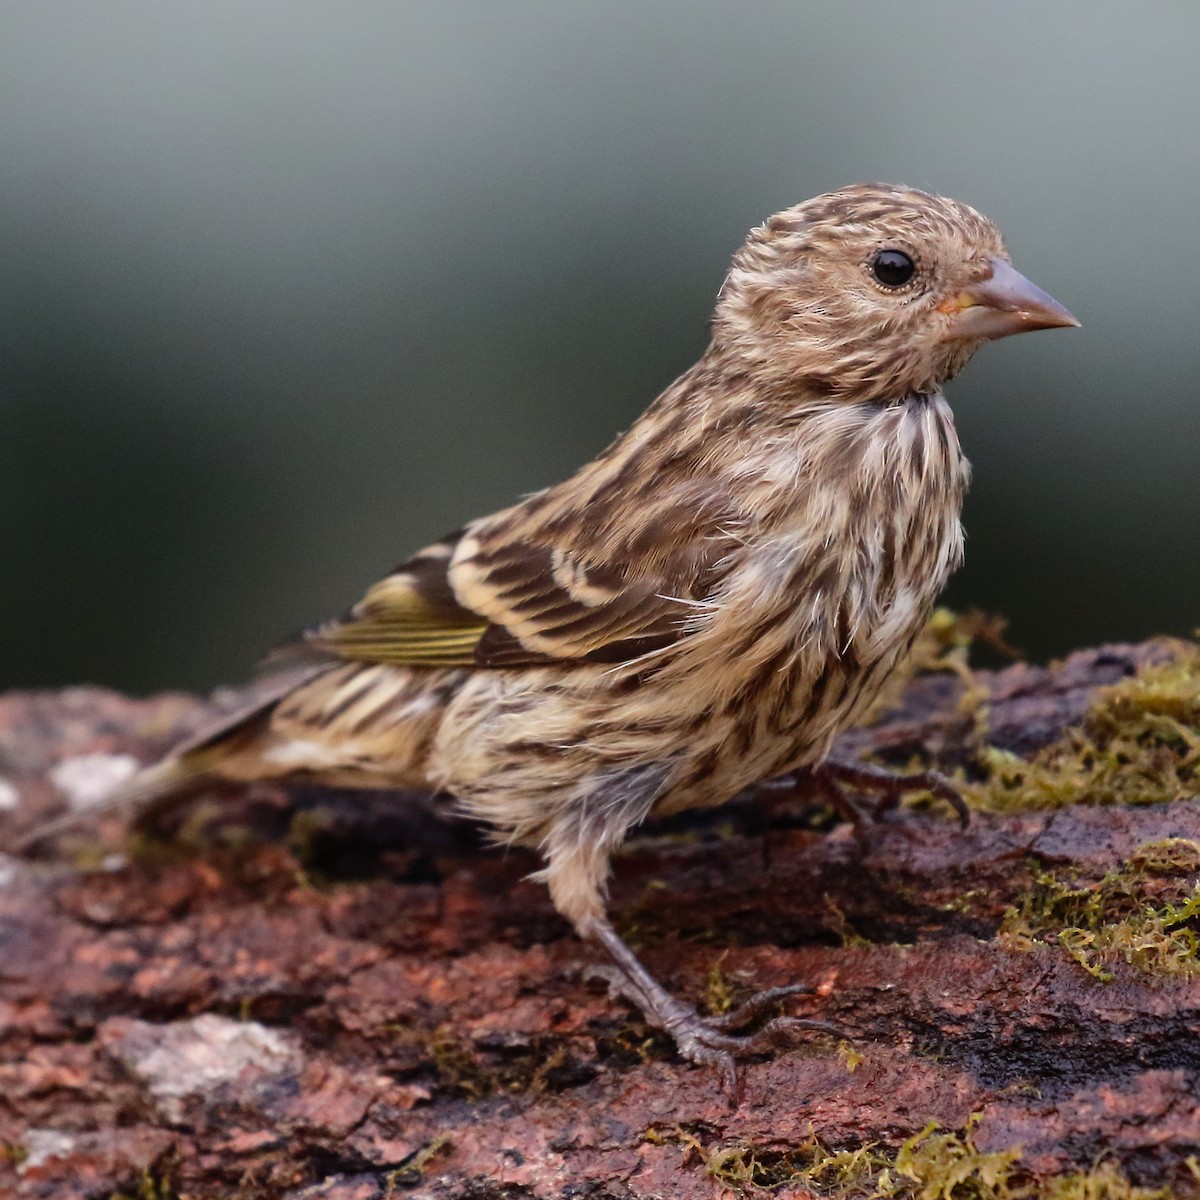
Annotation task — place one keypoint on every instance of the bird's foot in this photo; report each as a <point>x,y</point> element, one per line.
<point>834,775</point>
<point>712,1041</point>
<point>706,1041</point>
<point>892,786</point>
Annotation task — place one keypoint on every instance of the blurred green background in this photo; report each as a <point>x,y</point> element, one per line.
<point>288,289</point>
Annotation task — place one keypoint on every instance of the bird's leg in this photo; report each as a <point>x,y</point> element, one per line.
<point>702,1040</point>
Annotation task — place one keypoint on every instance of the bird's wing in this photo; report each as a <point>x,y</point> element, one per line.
<point>488,597</point>
<point>410,617</point>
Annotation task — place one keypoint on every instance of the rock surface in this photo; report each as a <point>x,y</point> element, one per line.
<point>344,996</point>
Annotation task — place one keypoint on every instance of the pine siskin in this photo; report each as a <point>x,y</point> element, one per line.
<point>707,604</point>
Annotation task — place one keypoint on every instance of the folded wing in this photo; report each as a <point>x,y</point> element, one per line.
<point>499,595</point>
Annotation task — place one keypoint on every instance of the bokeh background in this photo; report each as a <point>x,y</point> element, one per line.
<point>288,289</point>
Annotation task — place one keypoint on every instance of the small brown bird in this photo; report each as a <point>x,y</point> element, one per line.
<point>707,604</point>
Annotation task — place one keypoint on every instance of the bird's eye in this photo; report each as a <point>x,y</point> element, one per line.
<point>893,268</point>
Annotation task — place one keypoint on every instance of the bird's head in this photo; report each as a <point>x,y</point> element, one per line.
<point>873,293</point>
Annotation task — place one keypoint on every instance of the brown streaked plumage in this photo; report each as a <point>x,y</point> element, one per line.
<point>706,604</point>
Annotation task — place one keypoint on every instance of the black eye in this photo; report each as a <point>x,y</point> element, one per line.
<point>893,268</point>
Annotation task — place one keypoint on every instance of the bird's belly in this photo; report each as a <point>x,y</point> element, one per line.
<point>782,699</point>
<point>519,747</point>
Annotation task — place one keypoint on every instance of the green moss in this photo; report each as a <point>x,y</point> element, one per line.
<point>719,990</point>
<point>748,1170</point>
<point>947,1166</point>
<point>931,1165</point>
<point>1104,1182</point>
<point>466,1070</point>
<point>1138,744</point>
<point>459,1070</point>
<point>13,1153</point>
<point>970,902</point>
<point>1145,913</point>
<point>155,1182</point>
<point>851,1056</point>
<point>836,921</point>
<point>413,1170</point>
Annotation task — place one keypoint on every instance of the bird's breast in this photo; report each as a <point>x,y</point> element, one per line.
<point>834,585</point>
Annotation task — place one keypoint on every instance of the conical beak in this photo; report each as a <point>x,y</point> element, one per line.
<point>1003,303</point>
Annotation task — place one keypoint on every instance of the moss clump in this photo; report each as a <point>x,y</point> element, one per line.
<point>473,1070</point>
<point>1145,913</point>
<point>947,1166</point>
<point>851,1056</point>
<point>719,990</point>
<point>1139,744</point>
<point>750,1170</point>
<point>931,1165</point>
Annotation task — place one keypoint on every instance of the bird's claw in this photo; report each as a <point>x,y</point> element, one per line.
<point>759,1002</point>
<point>707,1041</point>
<point>833,776</point>
<point>613,978</point>
<point>892,786</point>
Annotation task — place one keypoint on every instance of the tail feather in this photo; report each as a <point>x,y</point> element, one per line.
<point>152,793</point>
<point>155,790</point>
